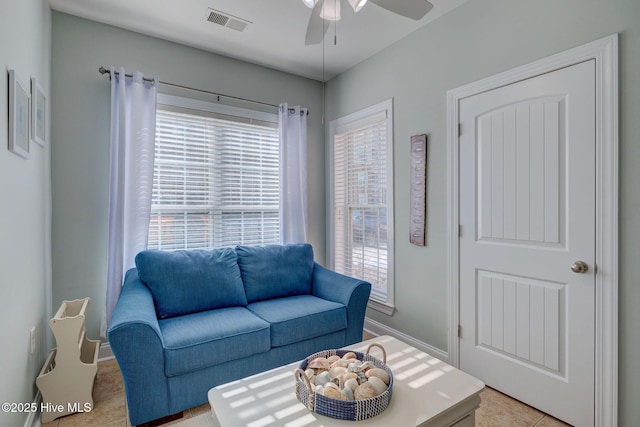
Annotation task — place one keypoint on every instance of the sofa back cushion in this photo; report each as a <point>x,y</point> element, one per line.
<point>275,271</point>
<point>184,282</point>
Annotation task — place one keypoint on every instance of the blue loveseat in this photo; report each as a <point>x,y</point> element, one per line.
<point>187,321</point>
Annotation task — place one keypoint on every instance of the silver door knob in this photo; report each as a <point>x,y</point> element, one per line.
<point>579,267</point>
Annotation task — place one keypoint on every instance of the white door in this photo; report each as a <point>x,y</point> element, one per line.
<point>527,214</point>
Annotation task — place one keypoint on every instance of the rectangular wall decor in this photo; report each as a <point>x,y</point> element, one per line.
<point>38,113</point>
<point>18,116</point>
<point>418,191</point>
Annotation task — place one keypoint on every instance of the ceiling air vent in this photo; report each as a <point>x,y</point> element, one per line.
<point>226,20</point>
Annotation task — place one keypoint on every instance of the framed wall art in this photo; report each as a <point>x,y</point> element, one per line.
<point>418,192</point>
<point>18,116</point>
<point>38,113</point>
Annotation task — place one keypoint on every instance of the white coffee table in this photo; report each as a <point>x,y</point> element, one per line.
<point>426,392</point>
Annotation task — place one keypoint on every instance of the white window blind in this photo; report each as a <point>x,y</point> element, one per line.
<point>362,199</point>
<point>216,180</point>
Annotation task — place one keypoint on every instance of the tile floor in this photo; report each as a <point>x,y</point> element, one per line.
<point>496,409</point>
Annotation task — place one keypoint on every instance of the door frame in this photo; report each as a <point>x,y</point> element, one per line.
<point>605,53</point>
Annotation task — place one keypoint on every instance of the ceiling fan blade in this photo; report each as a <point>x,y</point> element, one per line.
<point>316,28</point>
<point>414,9</point>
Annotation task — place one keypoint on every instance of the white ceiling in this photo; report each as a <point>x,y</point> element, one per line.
<point>275,36</point>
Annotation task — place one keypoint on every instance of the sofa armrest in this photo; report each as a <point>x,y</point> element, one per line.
<point>135,338</point>
<point>353,293</point>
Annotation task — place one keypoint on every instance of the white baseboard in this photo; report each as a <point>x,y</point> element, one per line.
<point>105,352</point>
<point>377,328</point>
<point>33,420</point>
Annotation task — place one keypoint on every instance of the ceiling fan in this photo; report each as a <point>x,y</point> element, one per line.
<point>330,10</point>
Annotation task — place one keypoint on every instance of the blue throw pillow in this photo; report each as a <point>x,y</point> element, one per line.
<point>275,271</point>
<point>184,282</point>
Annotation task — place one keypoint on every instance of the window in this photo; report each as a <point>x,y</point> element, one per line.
<point>362,200</point>
<point>216,176</point>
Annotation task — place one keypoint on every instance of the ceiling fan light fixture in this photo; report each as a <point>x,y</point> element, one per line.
<point>310,3</point>
<point>357,5</point>
<point>330,10</point>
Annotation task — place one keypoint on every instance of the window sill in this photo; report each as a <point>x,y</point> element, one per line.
<point>381,306</point>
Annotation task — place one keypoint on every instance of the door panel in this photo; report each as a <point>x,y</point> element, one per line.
<point>521,171</point>
<point>521,318</point>
<point>527,211</point>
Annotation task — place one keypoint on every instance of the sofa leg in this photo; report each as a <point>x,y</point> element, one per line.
<point>163,420</point>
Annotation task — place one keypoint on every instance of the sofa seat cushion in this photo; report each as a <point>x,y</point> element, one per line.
<point>184,282</point>
<point>208,338</point>
<point>300,317</point>
<point>275,271</point>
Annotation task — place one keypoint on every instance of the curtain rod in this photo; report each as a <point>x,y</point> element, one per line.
<point>103,70</point>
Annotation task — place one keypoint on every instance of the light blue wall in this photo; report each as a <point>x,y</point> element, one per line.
<point>482,38</point>
<point>80,131</point>
<point>25,197</point>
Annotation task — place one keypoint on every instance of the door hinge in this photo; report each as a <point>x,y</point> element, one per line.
<point>459,230</point>
<point>459,129</point>
<point>459,331</point>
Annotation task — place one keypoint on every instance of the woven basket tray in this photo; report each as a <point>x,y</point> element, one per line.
<point>352,410</point>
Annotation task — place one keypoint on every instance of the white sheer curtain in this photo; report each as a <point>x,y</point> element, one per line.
<point>133,124</point>
<point>293,174</point>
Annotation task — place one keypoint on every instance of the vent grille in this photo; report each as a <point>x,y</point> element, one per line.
<point>226,20</point>
<point>218,18</point>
